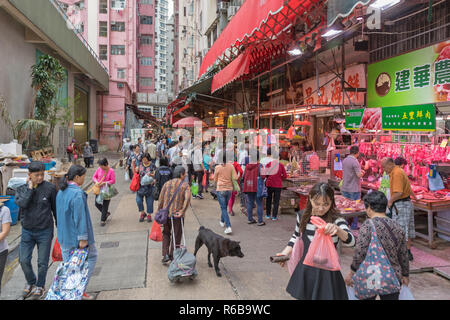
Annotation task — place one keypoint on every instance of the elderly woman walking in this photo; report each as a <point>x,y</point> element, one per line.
<point>393,242</point>
<point>181,194</point>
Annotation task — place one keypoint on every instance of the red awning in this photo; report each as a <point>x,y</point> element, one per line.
<point>259,22</point>
<point>175,104</point>
<point>237,68</point>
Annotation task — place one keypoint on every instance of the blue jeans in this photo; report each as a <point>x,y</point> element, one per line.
<point>224,198</point>
<point>251,197</point>
<point>352,196</point>
<point>43,240</point>
<point>140,202</point>
<point>91,258</point>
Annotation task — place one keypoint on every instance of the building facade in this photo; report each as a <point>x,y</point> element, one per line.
<point>28,37</point>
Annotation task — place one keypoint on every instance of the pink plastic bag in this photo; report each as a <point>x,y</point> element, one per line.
<point>296,255</point>
<point>322,253</point>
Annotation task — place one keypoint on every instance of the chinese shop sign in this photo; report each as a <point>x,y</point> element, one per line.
<point>330,91</point>
<point>409,118</point>
<point>421,76</point>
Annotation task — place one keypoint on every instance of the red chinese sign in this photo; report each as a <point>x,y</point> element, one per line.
<point>330,90</point>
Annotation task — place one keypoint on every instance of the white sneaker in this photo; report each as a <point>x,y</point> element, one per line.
<point>222,224</point>
<point>228,230</point>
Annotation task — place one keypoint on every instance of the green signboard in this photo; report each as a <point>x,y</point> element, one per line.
<point>418,77</point>
<point>409,118</point>
<point>353,119</point>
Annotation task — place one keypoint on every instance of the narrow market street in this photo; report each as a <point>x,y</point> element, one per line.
<point>129,264</point>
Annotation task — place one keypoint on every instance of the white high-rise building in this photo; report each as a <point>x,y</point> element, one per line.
<point>161,45</point>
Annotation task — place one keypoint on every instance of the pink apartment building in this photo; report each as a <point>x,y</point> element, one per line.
<point>122,33</point>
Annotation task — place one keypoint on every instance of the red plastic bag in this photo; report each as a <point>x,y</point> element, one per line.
<point>204,180</point>
<point>135,182</point>
<point>56,252</point>
<point>296,255</point>
<point>155,233</point>
<point>211,176</point>
<point>322,253</point>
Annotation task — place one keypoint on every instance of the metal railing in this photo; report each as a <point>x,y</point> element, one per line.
<point>60,9</point>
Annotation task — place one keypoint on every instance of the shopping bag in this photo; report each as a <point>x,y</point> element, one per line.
<point>211,176</point>
<point>297,253</point>
<point>194,188</point>
<point>204,180</point>
<point>56,252</point>
<point>236,186</point>
<point>351,293</point>
<point>322,253</point>
<point>134,185</point>
<point>405,294</point>
<point>127,176</point>
<point>155,233</point>
<point>71,277</point>
<point>375,275</point>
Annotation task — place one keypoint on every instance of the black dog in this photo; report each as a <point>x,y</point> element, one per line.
<point>218,246</point>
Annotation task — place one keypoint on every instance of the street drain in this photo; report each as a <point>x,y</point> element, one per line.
<point>109,244</point>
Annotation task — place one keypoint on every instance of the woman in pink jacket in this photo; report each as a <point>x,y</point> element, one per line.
<point>104,175</point>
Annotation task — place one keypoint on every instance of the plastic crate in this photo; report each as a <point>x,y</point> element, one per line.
<point>13,208</point>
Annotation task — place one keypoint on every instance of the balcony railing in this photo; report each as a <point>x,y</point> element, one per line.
<point>60,9</point>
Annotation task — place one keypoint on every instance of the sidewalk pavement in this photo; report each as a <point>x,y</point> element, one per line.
<point>15,233</point>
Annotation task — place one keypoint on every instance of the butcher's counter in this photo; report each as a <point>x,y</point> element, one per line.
<point>303,193</point>
<point>430,207</point>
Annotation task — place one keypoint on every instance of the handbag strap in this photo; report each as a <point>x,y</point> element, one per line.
<point>390,232</point>
<point>174,195</point>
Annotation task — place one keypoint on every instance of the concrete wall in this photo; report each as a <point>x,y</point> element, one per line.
<point>15,80</point>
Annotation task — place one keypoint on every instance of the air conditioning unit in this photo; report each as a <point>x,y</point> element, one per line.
<point>222,6</point>
<point>232,11</point>
<point>120,85</point>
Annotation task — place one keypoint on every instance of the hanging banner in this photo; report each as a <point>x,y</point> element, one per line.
<point>331,93</point>
<point>409,118</point>
<point>368,119</point>
<point>418,77</point>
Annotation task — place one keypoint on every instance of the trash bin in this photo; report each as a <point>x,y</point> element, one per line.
<point>94,145</point>
<point>13,208</point>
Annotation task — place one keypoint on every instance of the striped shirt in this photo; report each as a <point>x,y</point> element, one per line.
<point>311,230</point>
<point>182,198</point>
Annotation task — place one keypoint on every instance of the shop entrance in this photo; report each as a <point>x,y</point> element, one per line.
<point>81,116</point>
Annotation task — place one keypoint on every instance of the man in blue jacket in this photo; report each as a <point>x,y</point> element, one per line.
<point>37,205</point>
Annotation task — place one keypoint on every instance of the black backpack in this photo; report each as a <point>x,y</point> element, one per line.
<point>165,174</point>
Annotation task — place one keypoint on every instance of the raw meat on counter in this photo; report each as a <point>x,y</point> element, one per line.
<point>346,205</point>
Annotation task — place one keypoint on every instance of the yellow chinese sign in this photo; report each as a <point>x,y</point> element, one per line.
<point>409,118</point>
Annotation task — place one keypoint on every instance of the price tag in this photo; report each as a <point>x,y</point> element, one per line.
<point>444,143</point>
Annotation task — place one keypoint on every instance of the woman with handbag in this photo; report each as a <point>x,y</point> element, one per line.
<point>379,234</point>
<point>146,173</point>
<point>74,220</point>
<point>103,177</point>
<point>312,283</point>
<point>239,172</point>
<point>251,176</point>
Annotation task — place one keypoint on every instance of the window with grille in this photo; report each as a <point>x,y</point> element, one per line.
<point>103,29</point>
<point>120,73</point>
<point>146,82</point>
<point>146,1</point>
<point>118,50</point>
<point>146,61</point>
<point>146,40</point>
<point>118,26</point>
<point>118,4</point>
<point>146,20</point>
<point>103,6</point>
<point>103,52</point>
